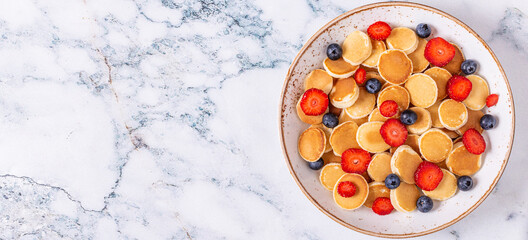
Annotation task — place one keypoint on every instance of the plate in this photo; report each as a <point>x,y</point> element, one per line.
<point>444,213</point>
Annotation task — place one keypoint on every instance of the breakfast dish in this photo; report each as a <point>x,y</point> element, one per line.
<point>396,120</point>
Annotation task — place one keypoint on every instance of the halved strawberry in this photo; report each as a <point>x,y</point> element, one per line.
<point>393,132</point>
<point>355,160</point>
<point>379,30</point>
<point>346,189</point>
<point>382,206</point>
<point>458,88</point>
<point>473,141</point>
<point>428,175</point>
<point>360,76</point>
<point>388,108</point>
<point>314,102</point>
<point>439,52</point>
<point>492,100</point>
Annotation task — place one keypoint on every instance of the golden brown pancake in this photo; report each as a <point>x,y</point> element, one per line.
<point>404,197</point>
<point>330,157</point>
<point>342,137</point>
<point>472,122</point>
<point>339,68</point>
<point>357,47</point>
<point>433,110</point>
<point>461,162</point>
<point>479,92</point>
<point>454,66</point>
<point>396,93</point>
<point>404,163</point>
<point>362,191</point>
<point>327,132</point>
<point>422,89</point>
<point>344,93</point>
<point>312,144</point>
<point>379,166</point>
<point>417,57</point>
<point>363,105</point>
<point>344,117</point>
<point>377,48</point>
<point>313,120</point>
<point>435,145</point>
<point>376,190</point>
<point>423,123</point>
<point>441,77</point>
<point>330,173</point>
<point>404,39</point>
<point>369,138</point>
<point>452,114</point>
<point>446,188</point>
<point>319,79</point>
<point>451,134</point>
<point>412,141</point>
<point>394,66</point>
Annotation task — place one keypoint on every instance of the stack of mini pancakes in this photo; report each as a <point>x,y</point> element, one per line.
<point>413,83</point>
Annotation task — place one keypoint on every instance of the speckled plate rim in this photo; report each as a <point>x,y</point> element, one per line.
<point>282,110</point>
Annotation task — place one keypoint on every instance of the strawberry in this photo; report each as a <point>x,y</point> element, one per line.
<point>379,31</point>
<point>355,160</point>
<point>382,206</point>
<point>360,76</point>
<point>393,132</point>
<point>428,175</point>
<point>346,189</point>
<point>473,141</point>
<point>439,52</point>
<point>492,100</point>
<point>388,108</point>
<point>314,102</point>
<point>458,88</point>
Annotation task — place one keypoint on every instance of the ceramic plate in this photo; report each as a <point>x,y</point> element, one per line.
<point>499,140</point>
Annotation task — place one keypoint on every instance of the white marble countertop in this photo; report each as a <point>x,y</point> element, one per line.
<point>158,119</point>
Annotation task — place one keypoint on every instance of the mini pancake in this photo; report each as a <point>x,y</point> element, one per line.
<point>376,190</point>
<point>312,144</point>
<point>452,114</point>
<point>327,132</point>
<point>339,68</point>
<point>454,66</point>
<point>362,191</point>
<point>404,39</point>
<point>461,162</point>
<point>417,57</point>
<point>435,145</point>
<point>369,138</point>
<point>472,122</point>
<point>344,117</point>
<point>404,197</point>
<point>412,141</point>
<point>451,134</point>
<point>343,137</point>
<point>344,93</point>
<point>377,48</point>
<point>394,66</point>
<point>446,188</point>
<point>357,47</point>
<point>330,157</point>
<point>363,105</point>
<point>330,173</point>
<point>396,93</point>
<point>376,116</point>
<point>479,92</point>
<point>379,167</point>
<point>433,110</point>
<point>441,77</point>
<point>423,123</point>
<point>422,89</point>
<point>374,74</point>
<point>319,79</point>
<point>404,163</point>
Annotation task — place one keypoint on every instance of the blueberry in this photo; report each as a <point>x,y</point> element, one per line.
<point>373,85</point>
<point>487,122</point>
<point>408,117</point>
<point>469,66</point>
<point>422,30</point>
<point>424,204</point>
<point>330,120</point>
<point>392,181</point>
<point>317,164</point>
<point>465,183</point>
<point>334,51</point>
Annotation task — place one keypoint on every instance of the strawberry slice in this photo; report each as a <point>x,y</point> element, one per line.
<point>389,108</point>
<point>379,31</point>
<point>393,132</point>
<point>439,52</point>
<point>382,206</point>
<point>458,88</point>
<point>473,141</point>
<point>492,100</point>
<point>314,102</point>
<point>346,189</point>
<point>360,76</point>
<point>428,175</point>
<point>355,160</point>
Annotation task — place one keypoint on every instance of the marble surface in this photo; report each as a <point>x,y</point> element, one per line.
<point>158,119</point>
